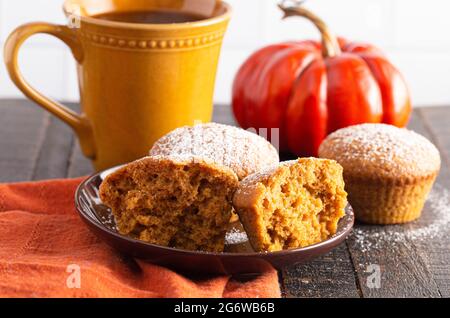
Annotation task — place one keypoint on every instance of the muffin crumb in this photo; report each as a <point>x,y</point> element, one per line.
<point>178,202</point>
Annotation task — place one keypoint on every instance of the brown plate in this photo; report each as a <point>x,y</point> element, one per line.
<point>238,258</point>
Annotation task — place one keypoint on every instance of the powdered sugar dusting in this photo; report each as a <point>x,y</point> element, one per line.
<point>384,148</point>
<point>244,152</point>
<point>234,236</point>
<point>437,225</point>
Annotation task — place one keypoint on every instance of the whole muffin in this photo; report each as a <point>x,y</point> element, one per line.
<point>388,171</point>
<point>242,151</point>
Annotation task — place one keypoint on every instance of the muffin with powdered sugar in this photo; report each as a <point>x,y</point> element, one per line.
<point>240,150</point>
<point>388,171</point>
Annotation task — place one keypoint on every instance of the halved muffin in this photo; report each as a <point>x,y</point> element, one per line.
<point>296,204</point>
<point>181,202</point>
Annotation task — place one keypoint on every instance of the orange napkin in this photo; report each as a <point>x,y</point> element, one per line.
<point>47,251</point>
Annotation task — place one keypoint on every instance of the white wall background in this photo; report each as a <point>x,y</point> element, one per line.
<point>413,33</point>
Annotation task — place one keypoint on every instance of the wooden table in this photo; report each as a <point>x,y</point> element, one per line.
<point>34,146</point>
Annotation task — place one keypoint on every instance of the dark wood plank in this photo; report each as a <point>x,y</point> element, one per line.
<point>35,145</point>
<point>397,249</point>
<point>331,275</point>
<point>22,129</point>
<point>224,115</point>
<point>403,270</point>
<point>79,165</point>
<point>437,123</point>
<point>436,252</point>
<point>54,155</point>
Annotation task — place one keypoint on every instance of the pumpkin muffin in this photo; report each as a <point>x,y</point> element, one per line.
<point>295,204</point>
<point>242,151</point>
<point>388,171</point>
<point>172,201</point>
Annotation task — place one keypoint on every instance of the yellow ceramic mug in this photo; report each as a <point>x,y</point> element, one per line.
<point>137,81</point>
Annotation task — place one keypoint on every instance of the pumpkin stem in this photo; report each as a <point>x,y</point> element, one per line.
<point>330,44</point>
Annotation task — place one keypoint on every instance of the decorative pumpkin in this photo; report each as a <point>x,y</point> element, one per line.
<point>309,89</point>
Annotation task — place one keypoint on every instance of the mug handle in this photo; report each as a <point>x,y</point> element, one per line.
<point>79,123</point>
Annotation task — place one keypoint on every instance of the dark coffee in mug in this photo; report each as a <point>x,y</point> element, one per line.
<point>151,17</point>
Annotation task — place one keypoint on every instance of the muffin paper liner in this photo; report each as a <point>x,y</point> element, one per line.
<point>382,201</point>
